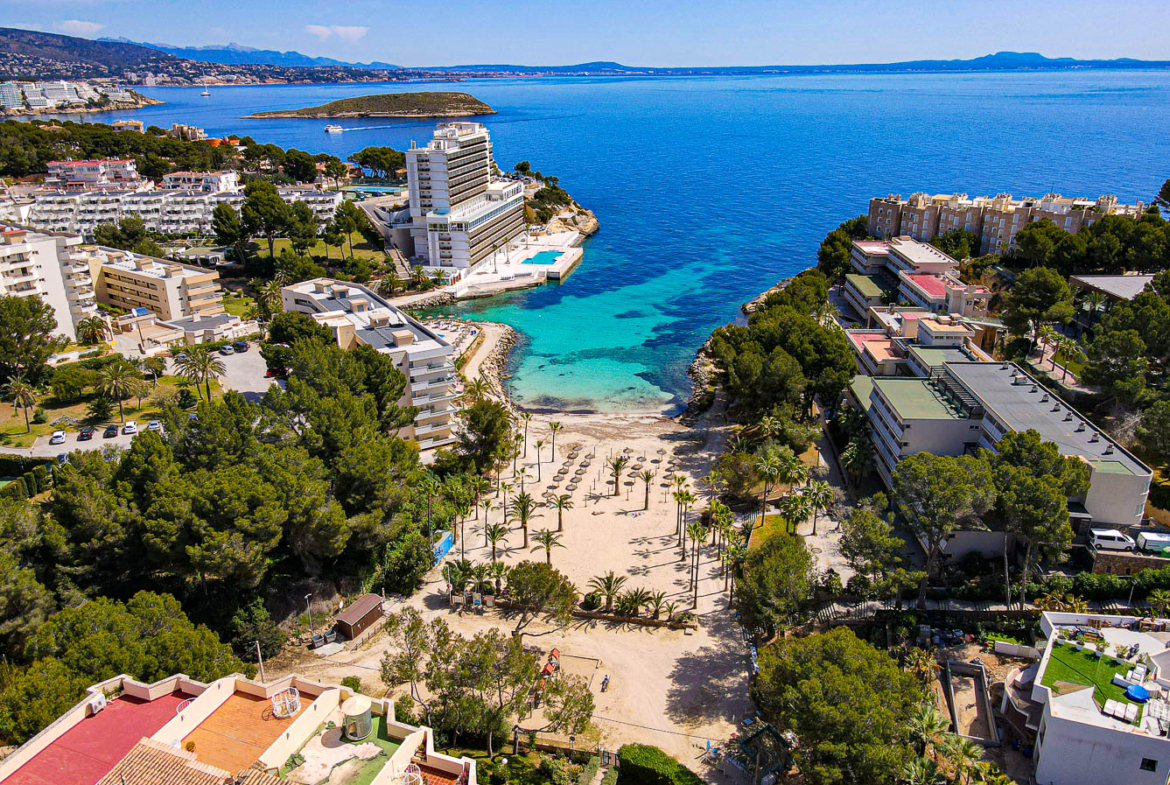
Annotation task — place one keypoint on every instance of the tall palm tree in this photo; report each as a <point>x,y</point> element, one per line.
<point>927,725</point>
<point>562,503</point>
<point>607,586</point>
<point>616,466</point>
<point>555,427</point>
<point>794,508</point>
<point>713,482</point>
<point>736,554</point>
<point>524,509</point>
<point>200,366</point>
<point>698,533</point>
<point>23,396</point>
<point>646,476</point>
<point>527,418</point>
<point>820,495</point>
<point>506,487</point>
<point>156,367</point>
<point>476,390</point>
<point>770,468</point>
<point>794,472</point>
<point>857,457</point>
<point>479,574</point>
<point>495,533</point>
<point>268,294</point>
<point>92,329</point>
<point>1067,347</point>
<point>480,485</point>
<point>116,381</point>
<point>687,499</point>
<point>462,509</point>
<point>547,539</point>
<point>498,571</point>
<point>522,475</point>
<point>922,771</point>
<point>389,283</point>
<point>539,447</point>
<point>1094,300</point>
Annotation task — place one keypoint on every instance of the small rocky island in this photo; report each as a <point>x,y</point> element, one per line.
<point>389,105</point>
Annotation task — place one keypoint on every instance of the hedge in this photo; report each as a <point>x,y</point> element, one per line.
<point>589,771</point>
<point>15,489</point>
<point>641,764</point>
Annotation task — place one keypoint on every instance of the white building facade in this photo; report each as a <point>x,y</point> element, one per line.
<point>33,264</point>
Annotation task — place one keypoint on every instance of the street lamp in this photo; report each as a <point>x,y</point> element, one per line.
<point>309,608</point>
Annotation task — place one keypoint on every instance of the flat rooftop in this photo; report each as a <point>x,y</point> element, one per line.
<point>918,253</point>
<point>933,285</point>
<point>1119,287</point>
<point>918,399</point>
<point>873,247</point>
<point>90,749</point>
<point>948,327</point>
<point>867,285</point>
<point>239,731</point>
<point>934,357</point>
<point>380,337</point>
<point>1017,406</point>
<point>861,387</point>
<point>876,344</point>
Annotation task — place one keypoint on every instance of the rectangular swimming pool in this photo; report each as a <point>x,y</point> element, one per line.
<point>544,257</point>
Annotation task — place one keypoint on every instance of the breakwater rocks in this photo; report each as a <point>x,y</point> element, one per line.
<point>493,368</point>
<point>432,301</point>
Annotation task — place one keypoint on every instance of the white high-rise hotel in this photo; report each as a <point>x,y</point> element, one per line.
<point>459,214</point>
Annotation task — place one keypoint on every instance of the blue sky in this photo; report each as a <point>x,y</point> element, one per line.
<point>635,32</point>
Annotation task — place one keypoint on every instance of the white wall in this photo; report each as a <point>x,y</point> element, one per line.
<point>1077,753</point>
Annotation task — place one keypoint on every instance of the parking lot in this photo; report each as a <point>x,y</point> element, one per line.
<point>243,372</point>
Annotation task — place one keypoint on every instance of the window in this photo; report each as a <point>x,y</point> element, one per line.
<point>1149,764</point>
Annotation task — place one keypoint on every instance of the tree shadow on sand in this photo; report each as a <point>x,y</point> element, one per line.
<point>710,683</point>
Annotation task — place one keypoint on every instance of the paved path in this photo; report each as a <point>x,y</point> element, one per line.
<point>492,333</point>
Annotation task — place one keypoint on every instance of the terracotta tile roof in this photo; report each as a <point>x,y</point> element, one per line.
<point>257,777</point>
<point>154,763</point>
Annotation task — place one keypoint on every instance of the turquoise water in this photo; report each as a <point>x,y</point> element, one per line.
<point>544,257</point>
<point>709,190</point>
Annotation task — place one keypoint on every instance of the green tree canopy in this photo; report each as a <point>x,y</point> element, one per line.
<point>26,337</point>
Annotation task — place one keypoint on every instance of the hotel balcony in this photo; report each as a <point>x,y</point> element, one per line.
<point>440,382</point>
<point>434,430</point>
<point>17,278</point>
<point>438,397</point>
<point>433,442</point>
<point>431,414</point>
<point>428,372</point>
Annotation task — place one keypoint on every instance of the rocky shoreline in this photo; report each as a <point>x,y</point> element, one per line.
<point>139,102</point>
<point>582,220</point>
<point>492,368</point>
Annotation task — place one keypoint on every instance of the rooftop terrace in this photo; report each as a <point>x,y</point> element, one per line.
<point>919,399</point>
<point>88,751</point>
<point>239,731</point>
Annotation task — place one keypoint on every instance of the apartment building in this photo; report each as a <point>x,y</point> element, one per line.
<point>1086,733</point>
<point>35,264</point>
<point>926,343</point>
<point>904,268</point>
<point>11,96</point>
<point>232,731</point>
<point>136,126</point>
<point>961,406</point>
<point>994,219</point>
<point>167,289</point>
<point>88,175</point>
<point>459,214</point>
<point>189,133</point>
<point>357,316</point>
<point>202,182</point>
<point>943,293</point>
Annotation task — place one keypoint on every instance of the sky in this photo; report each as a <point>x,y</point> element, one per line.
<point>632,32</point>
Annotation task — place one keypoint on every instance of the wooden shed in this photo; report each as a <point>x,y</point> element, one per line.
<point>362,614</point>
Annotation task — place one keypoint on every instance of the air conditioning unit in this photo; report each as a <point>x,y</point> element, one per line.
<point>97,702</point>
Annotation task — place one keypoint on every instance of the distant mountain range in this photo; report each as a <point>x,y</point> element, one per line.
<point>238,54</point>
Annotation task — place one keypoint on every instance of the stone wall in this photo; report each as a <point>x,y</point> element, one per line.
<point>1122,563</point>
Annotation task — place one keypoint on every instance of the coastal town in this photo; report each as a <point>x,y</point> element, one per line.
<point>274,508</point>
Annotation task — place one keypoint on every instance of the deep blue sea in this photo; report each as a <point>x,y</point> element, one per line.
<point>709,190</point>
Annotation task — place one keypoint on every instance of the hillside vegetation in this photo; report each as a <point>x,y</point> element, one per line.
<point>392,105</point>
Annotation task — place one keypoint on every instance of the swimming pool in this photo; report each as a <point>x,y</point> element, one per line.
<point>544,257</point>
<point>377,189</point>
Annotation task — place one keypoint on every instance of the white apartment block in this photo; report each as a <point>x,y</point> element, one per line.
<point>994,219</point>
<point>459,214</point>
<point>11,96</point>
<point>173,212</point>
<point>86,175</point>
<point>1085,735</point>
<point>357,316</point>
<point>167,289</point>
<point>203,182</point>
<point>33,264</point>
<point>961,406</point>
<point>906,269</point>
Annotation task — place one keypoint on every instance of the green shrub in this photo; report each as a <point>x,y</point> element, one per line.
<point>591,601</point>
<point>44,479</point>
<point>30,484</point>
<point>39,416</point>
<point>641,764</point>
<point>555,771</point>
<point>589,771</point>
<point>15,490</point>
<point>404,710</point>
<point>353,683</point>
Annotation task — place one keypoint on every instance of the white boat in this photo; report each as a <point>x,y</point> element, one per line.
<point>333,129</point>
<point>205,93</point>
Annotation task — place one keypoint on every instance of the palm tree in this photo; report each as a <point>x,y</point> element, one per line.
<point>1046,335</point>
<point>462,509</point>
<point>713,482</point>
<point>539,446</point>
<point>555,427</point>
<point>646,476</point>
<point>922,664</point>
<point>922,771</point>
<point>1067,347</point>
<point>562,503</point>
<point>389,283</point>
<point>769,467</point>
<point>794,472</point>
<point>769,426</point>
<point>476,390</point>
<point>857,457</point>
<point>495,533</point>
<point>479,574</point>
<point>498,572</point>
<point>156,367</point>
<point>964,755</point>
<point>1094,300</point>
<point>616,466</point>
<point>92,329</point>
<point>698,533</point>
<point>1159,600</point>
<point>506,487</point>
<point>547,539</point>
<point>200,366</point>
<point>524,508</point>
<point>656,601</point>
<point>794,508</point>
<point>820,495</point>
<point>926,726</point>
<point>480,485</point>
<point>736,554</point>
<point>268,294</point>
<point>634,599</point>
<point>23,396</point>
<point>116,381</point>
<point>607,586</point>
<point>687,498</point>
<point>670,608</point>
<point>522,474</point>
<point>527,418</point>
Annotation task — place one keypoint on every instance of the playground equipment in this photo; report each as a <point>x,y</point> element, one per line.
<point>286,703</point>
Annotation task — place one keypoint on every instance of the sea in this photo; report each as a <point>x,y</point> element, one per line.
<point>711,189</point>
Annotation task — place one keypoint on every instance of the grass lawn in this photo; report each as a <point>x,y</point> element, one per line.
<point>773,525</point>
<point>12,429</point>
<point>999,636</point>
<point>236,304</point>
<point>1085,667</point>
<point>1075,364</point>
<point>361,249</point>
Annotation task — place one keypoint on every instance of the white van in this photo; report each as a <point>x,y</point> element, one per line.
<point>1110,540</point>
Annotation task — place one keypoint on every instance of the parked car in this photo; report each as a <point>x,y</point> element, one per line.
<point>181,356</point>
<point>154,425</point>
<point>240,346</point>
<point>226,350</point>
<point>85,434</point>
<point>1111,540</point>
<point>110,432</point>
<point>130,428</point>
<point>58,437</point>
